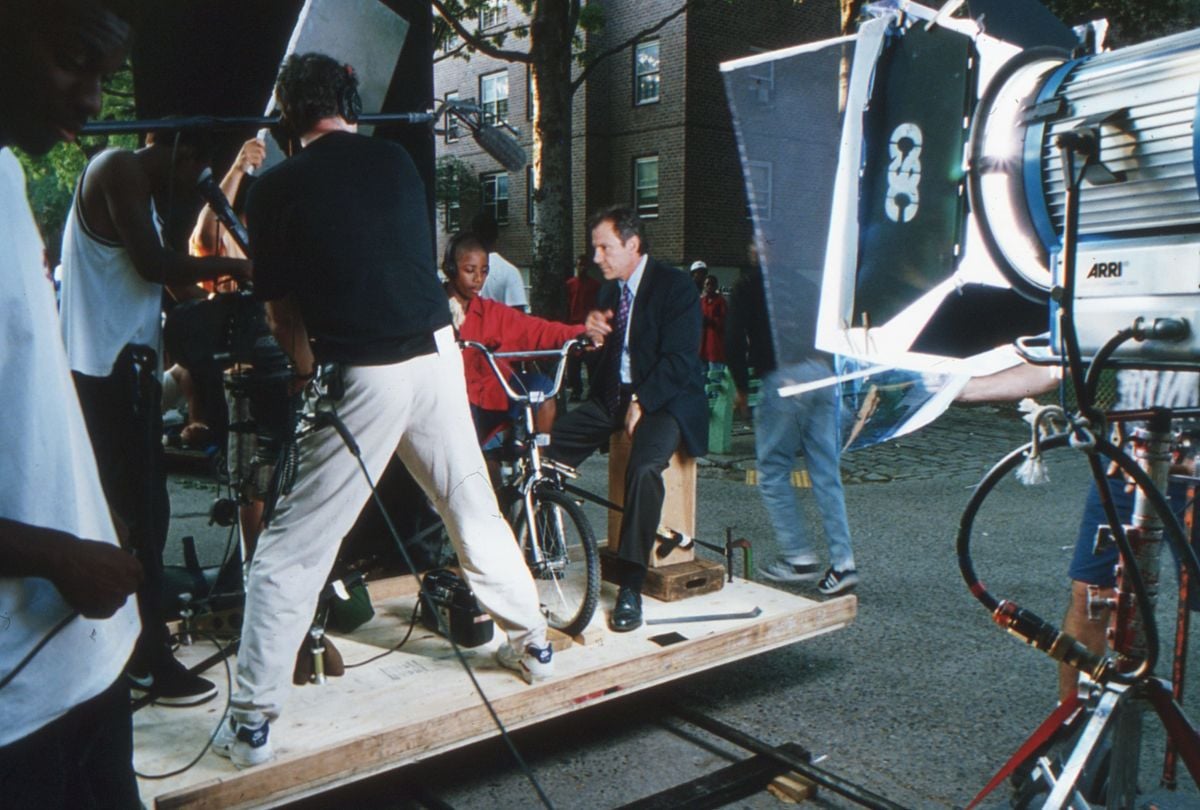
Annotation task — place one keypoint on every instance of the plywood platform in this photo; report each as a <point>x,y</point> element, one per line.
<point>417,703</point>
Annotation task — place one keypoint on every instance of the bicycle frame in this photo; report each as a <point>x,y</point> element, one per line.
<point>534,468</point>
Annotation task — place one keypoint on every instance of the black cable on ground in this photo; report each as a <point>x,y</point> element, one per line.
<point>216,730</point>
<point>334,421</point>
<point>411,626</point>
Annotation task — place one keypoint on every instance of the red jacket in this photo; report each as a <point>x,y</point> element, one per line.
<point>712,344</point>
<point>581,297</point>
<point>503,329</point>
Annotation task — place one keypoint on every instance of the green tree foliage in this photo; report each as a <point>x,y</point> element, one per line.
<point>455,182</point>
<point>551,39</point>
<point>50,178</point>
<point>1131,20</point>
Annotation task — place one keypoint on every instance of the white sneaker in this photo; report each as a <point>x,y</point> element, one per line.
<point>780,570</point>
<point>535,664</point>
<point>244,745</point>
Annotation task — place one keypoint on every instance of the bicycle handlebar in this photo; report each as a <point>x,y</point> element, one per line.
<point>560,353</point>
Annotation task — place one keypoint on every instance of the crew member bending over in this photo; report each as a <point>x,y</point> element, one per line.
<point>343,256</point>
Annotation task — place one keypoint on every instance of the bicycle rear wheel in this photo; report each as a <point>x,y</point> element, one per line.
<point>566,564</point>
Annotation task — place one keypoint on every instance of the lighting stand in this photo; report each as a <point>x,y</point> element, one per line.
<point>1106,717</point>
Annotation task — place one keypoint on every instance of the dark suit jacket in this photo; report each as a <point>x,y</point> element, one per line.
<point>664,349</point>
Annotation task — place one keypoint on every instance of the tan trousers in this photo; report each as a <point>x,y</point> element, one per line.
<point>418,410</point>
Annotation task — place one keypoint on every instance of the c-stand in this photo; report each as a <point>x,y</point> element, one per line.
<point>1105,718</point>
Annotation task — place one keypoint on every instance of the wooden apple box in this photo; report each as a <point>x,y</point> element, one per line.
<point>679,505</point>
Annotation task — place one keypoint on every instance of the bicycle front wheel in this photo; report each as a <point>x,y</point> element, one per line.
<point>564,561</point>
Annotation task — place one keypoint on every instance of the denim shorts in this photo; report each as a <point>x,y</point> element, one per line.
<point>1097,569</point>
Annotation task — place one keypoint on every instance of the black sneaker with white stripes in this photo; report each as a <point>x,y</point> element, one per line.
<point>171,684</point>
<point>837,581</point>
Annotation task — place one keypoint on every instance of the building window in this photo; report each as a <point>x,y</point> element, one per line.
<point>493,94</point>
<point>453,128</point>
<point>529,189</point>
<point>452,216</point>
<point>495,195</point>
<point>646,72</point>
<point>451,43</point>
<point>760,188</point>
<point>762,79</point>
<point>645,186</point>
<point>493,13</point>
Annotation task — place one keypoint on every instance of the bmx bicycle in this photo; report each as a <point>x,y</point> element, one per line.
<point>549,524</point>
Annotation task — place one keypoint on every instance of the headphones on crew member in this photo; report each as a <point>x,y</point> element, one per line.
<point>349,102</point>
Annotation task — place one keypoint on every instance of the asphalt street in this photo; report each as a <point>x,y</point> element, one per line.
<point>920,700</point>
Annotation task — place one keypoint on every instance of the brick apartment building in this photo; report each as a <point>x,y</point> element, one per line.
<point>651,126</point>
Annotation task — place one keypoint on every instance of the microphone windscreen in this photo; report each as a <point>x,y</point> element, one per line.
<point>501,146</point>
<point>211,193</point>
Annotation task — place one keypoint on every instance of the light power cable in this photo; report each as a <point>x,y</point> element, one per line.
<point>329,418</point>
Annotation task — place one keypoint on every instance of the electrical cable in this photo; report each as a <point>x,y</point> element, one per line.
<point>217,729</point>
<point>227,553</point>
<point>331,419</point>
<point>1034,630</point>
<point>1041,634</point>
<point>37,648</point>
<point>412,624</point>
<point>1091,380</point>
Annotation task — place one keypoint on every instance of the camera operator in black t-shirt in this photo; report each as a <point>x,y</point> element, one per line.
<point>344,261</point>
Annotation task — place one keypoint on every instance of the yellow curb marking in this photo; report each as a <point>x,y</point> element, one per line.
<point>800,479</point>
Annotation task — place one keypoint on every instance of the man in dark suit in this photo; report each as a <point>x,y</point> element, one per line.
<point>648,379</point>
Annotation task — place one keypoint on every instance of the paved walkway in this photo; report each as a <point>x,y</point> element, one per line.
<point>964,439</point>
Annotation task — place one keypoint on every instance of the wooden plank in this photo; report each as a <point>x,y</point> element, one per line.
<point>679,504</point>
<point>792,788</point>
<point>417,703</point>
<point>405,586</point>
<point>721,787</point>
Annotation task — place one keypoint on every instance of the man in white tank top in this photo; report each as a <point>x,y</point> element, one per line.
<point>115,268</point>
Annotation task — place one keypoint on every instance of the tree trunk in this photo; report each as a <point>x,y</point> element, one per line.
<point>850,9</point>
<point>553,259</point>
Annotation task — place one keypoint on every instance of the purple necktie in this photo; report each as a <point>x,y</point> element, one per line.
<point>613,398</point>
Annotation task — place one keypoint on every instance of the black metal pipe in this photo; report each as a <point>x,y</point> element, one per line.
<point>591,496</point>
<point>227,122</point>
<point>853,792</point>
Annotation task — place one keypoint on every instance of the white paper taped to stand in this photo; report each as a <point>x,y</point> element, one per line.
<point>364,34</point>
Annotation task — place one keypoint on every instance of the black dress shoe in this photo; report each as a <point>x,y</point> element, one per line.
<point>627,613</point>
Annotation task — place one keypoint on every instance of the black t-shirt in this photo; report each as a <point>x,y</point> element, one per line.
<point>343,228</point>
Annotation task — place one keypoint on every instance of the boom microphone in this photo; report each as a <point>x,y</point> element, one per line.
<point>212,194</point>
<point>501,146</point>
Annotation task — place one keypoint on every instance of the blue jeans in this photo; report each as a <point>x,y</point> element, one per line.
<point>805,423</point>
<point>1099,569</point>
